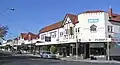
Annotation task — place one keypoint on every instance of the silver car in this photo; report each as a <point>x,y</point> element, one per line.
<point>48,55</point>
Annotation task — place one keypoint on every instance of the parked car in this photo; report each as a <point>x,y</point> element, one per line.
<point>48,55</point>
<point>17,52</point>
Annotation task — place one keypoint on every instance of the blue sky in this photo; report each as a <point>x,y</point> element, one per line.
<point>32,15</point>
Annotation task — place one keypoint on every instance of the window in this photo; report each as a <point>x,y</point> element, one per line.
<point>109,36</point>
<point>67,31</point>
<point>71,31</point>
<point>78,30</point>
<point>93,28</point>
<point>110,28</point>
<point>61,34</point>
<point>42,36</point>
<point>119,29</point>
<point>47,39</point>
<point>53,34</point>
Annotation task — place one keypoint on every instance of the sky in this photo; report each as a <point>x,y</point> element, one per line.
<point>32,15</point>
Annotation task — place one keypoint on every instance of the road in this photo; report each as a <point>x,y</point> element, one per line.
<point>30,60</point>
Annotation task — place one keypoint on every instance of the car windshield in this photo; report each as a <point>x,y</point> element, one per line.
<point>46,52</point>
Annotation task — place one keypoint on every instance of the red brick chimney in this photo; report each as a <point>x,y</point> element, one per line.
<point>110,12</point>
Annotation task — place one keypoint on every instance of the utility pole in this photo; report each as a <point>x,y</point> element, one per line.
<point>76,46</point>
<point>108,51</point>
<point>108,48</point>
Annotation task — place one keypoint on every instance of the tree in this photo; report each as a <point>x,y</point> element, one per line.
<point>3,31</point>
<point>53,49</point>
<point>24,47</point>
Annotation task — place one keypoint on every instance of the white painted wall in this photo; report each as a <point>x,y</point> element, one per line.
<point>85,33</point>
<point>116,29</point>
<point>53,40</point>
<point>67,38</point>
<point>59,39</point>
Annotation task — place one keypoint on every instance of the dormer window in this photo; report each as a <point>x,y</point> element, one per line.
<point>93,28</point>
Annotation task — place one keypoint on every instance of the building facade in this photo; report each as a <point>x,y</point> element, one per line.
<point>90,30</point>
<point>84,34</point>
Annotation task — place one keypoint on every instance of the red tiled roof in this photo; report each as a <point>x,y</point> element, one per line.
<point>57,25</point>
<point>51,27</point>
<point>72,17</point>
<point>23,35</point>
<point>29,36</point>
<point>115,17</point>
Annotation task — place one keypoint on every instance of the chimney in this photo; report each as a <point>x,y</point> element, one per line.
<point>110,11</point>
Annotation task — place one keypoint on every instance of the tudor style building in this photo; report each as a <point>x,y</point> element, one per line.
<point>29,39</point>
<point>60,34</point>
<point>90,30</point>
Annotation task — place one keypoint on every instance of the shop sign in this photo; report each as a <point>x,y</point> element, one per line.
<point>93,20</point>
<point>100,39</point>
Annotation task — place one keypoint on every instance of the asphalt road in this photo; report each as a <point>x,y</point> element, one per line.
<point>29,60</point>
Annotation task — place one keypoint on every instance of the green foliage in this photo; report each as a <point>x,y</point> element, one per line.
<point>3,31</point>
<point>53,49</point>
<point>24,47</point>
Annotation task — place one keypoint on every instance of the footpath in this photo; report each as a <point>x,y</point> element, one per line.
<point>73,58</point>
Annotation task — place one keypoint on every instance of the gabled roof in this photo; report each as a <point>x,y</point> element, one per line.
<point>57,25</point>
<point>51,27</point>
<point>29,36</point>
<point>73,18</point>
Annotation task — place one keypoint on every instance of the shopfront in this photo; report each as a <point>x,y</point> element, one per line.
<point>97,49</point>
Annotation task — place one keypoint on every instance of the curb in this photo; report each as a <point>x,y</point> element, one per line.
<point>94,61</point>
<point>91,61</point>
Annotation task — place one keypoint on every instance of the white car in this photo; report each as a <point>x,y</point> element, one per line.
<point>48,55</point>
